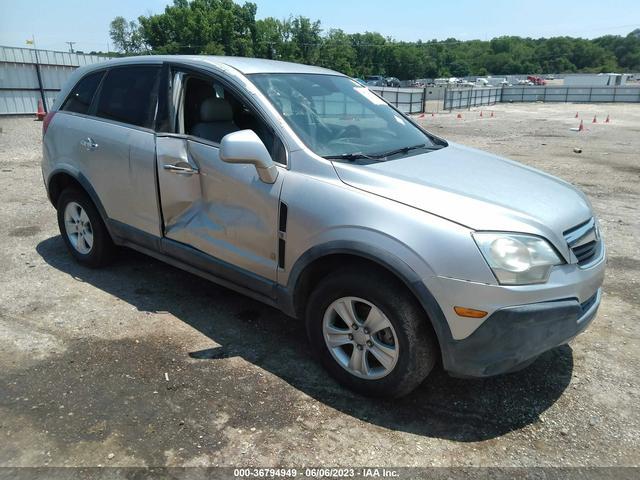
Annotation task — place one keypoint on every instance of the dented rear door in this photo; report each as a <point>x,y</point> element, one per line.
<point>221,209</point>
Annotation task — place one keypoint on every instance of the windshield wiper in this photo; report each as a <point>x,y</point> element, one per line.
<point>378,156</point>
<point>404,150</point>
<point>349,156</point>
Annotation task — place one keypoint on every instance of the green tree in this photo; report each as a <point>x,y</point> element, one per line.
<point>337,52</point>
<point>126,36</point>
<point>225,27</point>
<point>202,26</point>
<point>305,35</point>
<point>370,53</point>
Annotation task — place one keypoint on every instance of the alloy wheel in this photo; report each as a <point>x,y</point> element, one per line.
<point>360,338</point>
<point>78,228</point>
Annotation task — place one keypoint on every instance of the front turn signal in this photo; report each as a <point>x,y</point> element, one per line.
<point>469,312</point>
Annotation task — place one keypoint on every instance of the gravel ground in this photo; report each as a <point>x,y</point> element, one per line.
<point>141,364</point>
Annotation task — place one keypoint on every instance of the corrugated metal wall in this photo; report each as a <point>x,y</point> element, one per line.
<point>19,86</point>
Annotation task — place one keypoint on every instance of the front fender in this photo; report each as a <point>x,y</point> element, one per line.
<point>396,261</point>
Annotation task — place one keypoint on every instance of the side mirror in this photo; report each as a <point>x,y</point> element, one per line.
<point>246,147</point>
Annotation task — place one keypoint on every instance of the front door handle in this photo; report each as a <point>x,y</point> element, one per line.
<point>183,168</point>
<point>89,144</point>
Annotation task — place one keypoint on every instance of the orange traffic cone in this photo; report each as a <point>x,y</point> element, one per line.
<point>581,127</point>
<point>459,115</point>
<point>576,115</point>
<point>40,114</point>
<point>607,119</point>
<point>421,115</point>
<point>595,120</point>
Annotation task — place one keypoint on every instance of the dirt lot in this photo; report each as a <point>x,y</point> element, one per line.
<point>85,354</point>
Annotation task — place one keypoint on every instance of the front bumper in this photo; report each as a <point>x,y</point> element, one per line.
<point>513,336</point>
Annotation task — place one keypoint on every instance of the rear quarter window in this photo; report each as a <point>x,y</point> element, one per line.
<point>129,95</point>
<point>79,100</point>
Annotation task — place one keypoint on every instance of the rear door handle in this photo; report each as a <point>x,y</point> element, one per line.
<point>184,169</point>
<point>89,144</point>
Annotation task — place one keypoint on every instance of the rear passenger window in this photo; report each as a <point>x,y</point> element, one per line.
<point>80,97</point>
<point>128,95</point>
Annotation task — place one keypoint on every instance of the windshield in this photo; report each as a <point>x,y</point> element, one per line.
<point>337,117</point>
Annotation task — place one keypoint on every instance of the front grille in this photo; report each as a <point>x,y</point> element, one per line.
<point>584,241</point>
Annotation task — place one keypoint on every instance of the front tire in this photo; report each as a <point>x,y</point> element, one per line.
<point>82,229</point>
<point>370,333</point>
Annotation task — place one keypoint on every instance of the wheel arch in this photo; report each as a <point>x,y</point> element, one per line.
<point>321,260</point>
<point>61,178</point>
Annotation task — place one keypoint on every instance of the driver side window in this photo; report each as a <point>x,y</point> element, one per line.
<point>209,111</point>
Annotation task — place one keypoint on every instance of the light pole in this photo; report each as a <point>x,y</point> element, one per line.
<point>38,75</point>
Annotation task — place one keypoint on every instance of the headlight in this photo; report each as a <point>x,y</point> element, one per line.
<point>517,259</point>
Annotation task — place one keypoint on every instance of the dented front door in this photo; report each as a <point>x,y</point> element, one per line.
<point>221,209</point>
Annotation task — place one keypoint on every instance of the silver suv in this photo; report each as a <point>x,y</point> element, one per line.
<point>301,188</point>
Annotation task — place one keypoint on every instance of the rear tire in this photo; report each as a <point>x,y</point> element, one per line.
<point>82,229</point>
<point>383,362</point>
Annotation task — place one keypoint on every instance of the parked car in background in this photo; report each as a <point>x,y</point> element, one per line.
<point>535,80</point>
<point>397,248</point>
<point>393,82</point>
<point>446,81</point>
<point>376,81</point>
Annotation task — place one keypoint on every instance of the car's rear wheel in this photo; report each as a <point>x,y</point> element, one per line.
<point>83,230</point>
<point>370,333</point>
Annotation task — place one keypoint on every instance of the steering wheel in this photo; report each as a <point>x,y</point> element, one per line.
<point>316,125</point>
<point>350,131</point>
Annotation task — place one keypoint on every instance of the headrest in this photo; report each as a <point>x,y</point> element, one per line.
<point>215,110</point>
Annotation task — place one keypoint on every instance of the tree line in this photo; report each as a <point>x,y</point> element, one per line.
<point>223,27</point>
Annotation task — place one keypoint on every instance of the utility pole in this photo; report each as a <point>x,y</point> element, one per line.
<point>38,74</point>
<point>71,46</point>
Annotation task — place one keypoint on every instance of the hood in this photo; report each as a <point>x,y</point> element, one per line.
<point>475,189</point>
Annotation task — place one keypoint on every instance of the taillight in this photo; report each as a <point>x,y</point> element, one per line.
<point>46,121</point>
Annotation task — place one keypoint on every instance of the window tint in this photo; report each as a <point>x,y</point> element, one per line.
<point>128,95</point>
<point>80,97</point>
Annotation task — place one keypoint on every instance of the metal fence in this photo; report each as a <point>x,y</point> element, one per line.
<point>473,97</point>
<point>629,94</point>
<point>407,100</point>
<point>28,75</point>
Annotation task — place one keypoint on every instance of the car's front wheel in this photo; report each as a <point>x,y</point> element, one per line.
<point>83,230</point>
<point>370,333</point>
